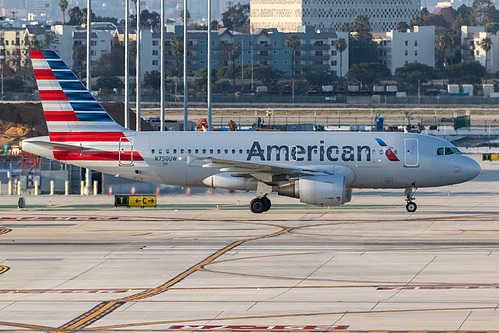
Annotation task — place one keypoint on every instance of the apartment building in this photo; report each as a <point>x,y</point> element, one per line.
<point>265,46</point>
<point>472,50</point>
<point>395,49</point>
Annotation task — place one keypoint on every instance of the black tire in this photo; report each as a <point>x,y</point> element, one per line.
<point>411,207</point>
<point>257,206</point>
<point>267,203</point>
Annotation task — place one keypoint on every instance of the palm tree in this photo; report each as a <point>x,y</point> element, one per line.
<point>361,23</point>
<point>177,45</point>
<point>443,44</point>
<point>293,43</point>
<point>232,54</point>
<point>402,26</point>
<point>182,16</point>
<point>341,45</point>
<point>64,5</point>
<point>486,45</point>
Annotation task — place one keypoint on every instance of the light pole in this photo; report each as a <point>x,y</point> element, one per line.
<point>127,69</point>
<point>137,74</point>
<point>162,67</point>
<point>186,117</point>
<point>208,74</point>
<point>88,172</point>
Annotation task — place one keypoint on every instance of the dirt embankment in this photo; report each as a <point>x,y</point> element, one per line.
<point>19,121</point>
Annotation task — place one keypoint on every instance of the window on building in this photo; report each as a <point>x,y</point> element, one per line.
<point>406,43</point>
<point>93,43</point>
<point>334,63</point>
<point>276,43</point>
<point>334,53</point>
<point>155,62</point>
<point>155,43</point>
<point>155,52</point>
<point>415,43</point>
<point>406,52</point>
<point>416,52</point>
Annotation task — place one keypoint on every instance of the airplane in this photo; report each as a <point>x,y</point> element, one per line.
<point>318,168</point>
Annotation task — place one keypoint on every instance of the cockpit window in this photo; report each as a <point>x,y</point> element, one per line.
<point>448,151</point>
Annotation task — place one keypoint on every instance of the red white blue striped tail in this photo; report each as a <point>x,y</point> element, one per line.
<point>71,112</point>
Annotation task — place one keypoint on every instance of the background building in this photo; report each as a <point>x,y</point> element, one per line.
<point>472,50</point>
<point>395,49</point>
<point>288,15</point>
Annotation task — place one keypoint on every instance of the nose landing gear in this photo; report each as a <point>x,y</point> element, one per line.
<point>411,206</point>
<point>260,205</point>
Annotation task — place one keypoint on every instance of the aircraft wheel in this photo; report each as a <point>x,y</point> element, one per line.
<point>257,206</point>
<point>267,203</point>
<point>411,207</point>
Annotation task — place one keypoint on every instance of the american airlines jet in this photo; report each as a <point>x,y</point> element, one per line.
<point>319,168</point>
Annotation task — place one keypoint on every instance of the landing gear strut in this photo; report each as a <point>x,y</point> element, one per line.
<point>260,205</point>
<point>411,206</point>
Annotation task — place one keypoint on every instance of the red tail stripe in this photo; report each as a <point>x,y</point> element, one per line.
<point>52,95</point>
<point>44,74</point>
<point>60,116</point>
<point>36,55</point>
<point>96,156</point>
<point>87,136</point>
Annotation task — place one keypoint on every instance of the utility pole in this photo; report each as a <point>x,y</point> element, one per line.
<point>127,63</point>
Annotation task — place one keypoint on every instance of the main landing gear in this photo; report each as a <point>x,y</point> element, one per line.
<point>411,206</point>
<point>260,205</point>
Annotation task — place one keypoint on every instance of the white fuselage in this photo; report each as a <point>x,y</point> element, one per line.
<point>170,157</point>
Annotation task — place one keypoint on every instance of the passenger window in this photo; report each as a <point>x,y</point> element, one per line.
<point>204,151</point>
<point>211,151</point>
<point>440,151</point>
<point>152,151</point>
<point>240,151</point>
<point>174,151</point>
<point>160,151</point>
<point>247,151</point>
<point>448,151</point>
<point>233,151</point>
<point>226,151</point>
<point>196,151</point>
<point>181,151</point>
<point>167,151</point>
<point>218,151</point>
<point>189,151</point>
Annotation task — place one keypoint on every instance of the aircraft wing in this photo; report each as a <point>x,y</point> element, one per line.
<point>261,171</point>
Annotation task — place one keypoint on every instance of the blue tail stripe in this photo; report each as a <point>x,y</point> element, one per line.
<point>72,85</point>
<point>50,55</point>
<point>55,64</point>
<point>93,116</point>
<point>79,96</point>
<point>65,75</point>
<point>87,106</point>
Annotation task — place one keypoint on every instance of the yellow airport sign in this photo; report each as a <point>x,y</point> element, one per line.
<point>135,200</point>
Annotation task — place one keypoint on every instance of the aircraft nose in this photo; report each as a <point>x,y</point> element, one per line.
<point>473,169</point>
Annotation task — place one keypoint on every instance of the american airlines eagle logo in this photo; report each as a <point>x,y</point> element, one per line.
<point>388,151</point>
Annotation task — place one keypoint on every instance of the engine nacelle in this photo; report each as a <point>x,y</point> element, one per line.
<point>319,190</point>
<point>227,181</point>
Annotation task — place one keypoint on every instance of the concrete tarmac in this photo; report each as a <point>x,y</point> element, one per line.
<point>205,263</point>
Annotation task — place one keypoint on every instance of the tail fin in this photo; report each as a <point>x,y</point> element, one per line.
<point>71,112</point>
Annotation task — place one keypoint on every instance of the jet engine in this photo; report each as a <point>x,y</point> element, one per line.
<point>318,190</point>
